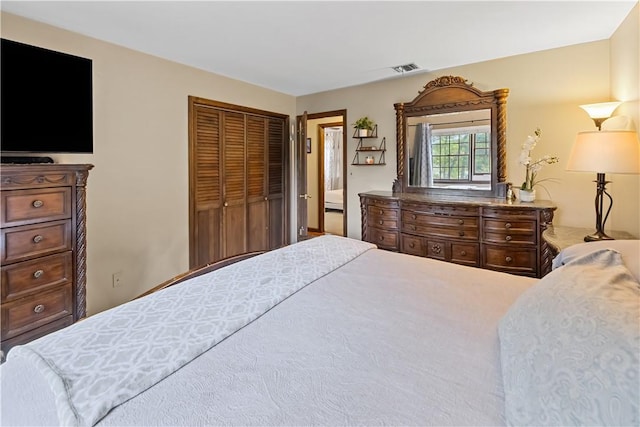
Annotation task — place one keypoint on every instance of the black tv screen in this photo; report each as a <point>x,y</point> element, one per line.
<point>47,101</point>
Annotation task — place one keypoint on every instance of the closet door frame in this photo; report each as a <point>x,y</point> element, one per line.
<point>193,103</point>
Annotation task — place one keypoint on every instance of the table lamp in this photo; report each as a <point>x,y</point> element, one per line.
<point>609,151</point>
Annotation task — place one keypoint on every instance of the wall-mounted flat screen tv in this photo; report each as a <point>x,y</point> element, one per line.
<point>47,101</point>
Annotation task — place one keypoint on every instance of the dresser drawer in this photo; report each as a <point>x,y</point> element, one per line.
<point>23,278</point>
<point>436,249</point>
<point>385,239</point>
<point>515,239</point>
<point>412,245</point>
<point>518,232</point>
<point>23,242</point>
<point>431,231</point>
<point>382,203</point>
<point>511,260</point>
<point>382,217</point>
<point>383,222</point>
<point>28,206</point>
<point>34,311</point>
<point>439,220</point>
<point>509,226</point>
<point>376,212</point>
<point>442,209</point>
<point>465,253</point>
<point>510,213</point>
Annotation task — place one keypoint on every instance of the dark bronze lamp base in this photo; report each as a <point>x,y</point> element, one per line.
<point>597,236</point>
<point>601,217</point>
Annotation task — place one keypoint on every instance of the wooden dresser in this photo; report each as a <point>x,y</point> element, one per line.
<point>480,232</point>
<point>43,249</point>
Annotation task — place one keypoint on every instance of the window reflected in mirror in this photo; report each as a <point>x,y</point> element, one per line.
<point>450,150</point>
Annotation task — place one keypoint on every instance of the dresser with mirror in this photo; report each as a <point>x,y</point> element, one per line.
<point>448,201</point>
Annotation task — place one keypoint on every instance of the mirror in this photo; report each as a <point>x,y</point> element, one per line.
<point>451,140</point>
<point>450,150</point>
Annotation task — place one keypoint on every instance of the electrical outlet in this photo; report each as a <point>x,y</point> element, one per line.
<point>117,279</point>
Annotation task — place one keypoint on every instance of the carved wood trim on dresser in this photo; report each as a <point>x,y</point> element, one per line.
<point>43,249</point>
<point>481,232</point>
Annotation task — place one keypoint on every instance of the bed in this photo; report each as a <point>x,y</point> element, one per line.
<point>333,200</point>
<point>333,331</point>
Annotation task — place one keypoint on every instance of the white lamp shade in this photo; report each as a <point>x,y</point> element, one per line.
<point>615,151</point>
<point>601,110</point>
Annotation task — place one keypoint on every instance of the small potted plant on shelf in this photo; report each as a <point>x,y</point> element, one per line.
<point>364,125</point>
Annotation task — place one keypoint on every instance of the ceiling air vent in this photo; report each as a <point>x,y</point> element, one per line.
<point>405,68</point>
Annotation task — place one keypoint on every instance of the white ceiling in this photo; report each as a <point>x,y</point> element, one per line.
<point>304,47</point>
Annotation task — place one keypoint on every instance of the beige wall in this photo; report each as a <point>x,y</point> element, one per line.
<point>625,86</point>
<point>546,89</point>
<point>137,214</point>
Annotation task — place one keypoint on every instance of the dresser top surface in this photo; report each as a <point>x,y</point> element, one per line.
<point>12,168</point>
<point>460,200</point>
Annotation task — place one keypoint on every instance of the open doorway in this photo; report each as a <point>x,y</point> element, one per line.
<point>332,183</point>
<point>326,181</point>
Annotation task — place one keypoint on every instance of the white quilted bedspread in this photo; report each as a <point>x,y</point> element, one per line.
<point>113,356</point>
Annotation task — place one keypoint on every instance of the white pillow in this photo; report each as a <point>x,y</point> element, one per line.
<point>629,249</point>
<point>569,346</point>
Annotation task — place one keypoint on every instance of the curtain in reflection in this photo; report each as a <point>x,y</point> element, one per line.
<point>422,160</point>
<point>332,159</point>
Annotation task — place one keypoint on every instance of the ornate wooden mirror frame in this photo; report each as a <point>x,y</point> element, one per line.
<point>449,94</point>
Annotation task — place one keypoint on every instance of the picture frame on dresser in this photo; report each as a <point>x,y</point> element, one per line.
<point>43,249</point>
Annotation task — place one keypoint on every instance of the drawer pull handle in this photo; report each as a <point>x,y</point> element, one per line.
<point>507,225</point>
<point>508,238</point>
<point>414,217</point>
<point>463,253</point>
<point>381,238</point>
<point>37,274</point>
<point>413,227</point>
<point>460,221</point>
<point>381,211</point>
<point>508,259</point>
<point>226,204</point>
<point>37,239</point>
<point>38,308</point>
<point>37,203</point>
<point>412,245</point>
<point>460,233</point>
<point>381,222</point>
<point>436,249</point>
